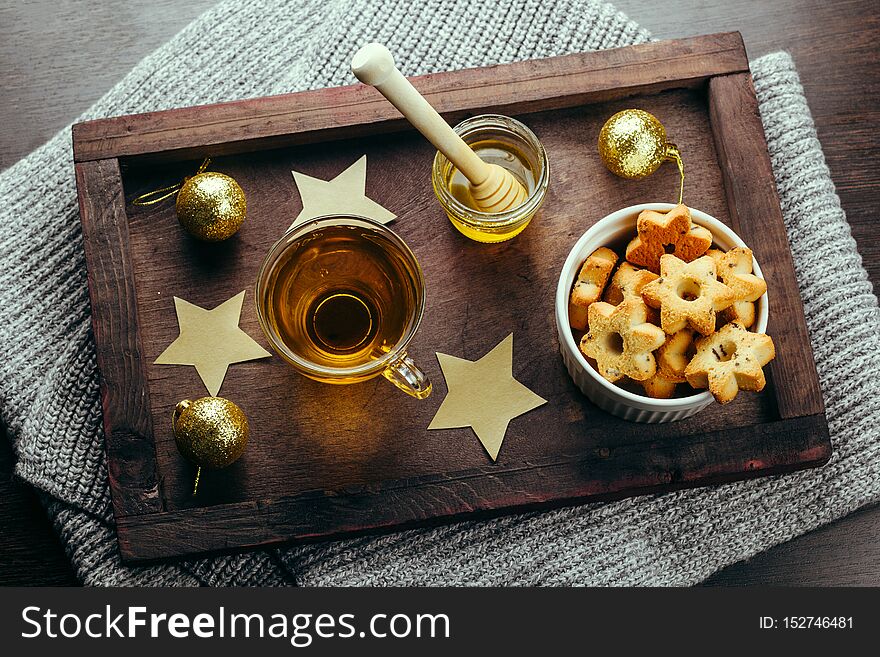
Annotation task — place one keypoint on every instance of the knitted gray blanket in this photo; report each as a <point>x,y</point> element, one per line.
<point>49,397</point>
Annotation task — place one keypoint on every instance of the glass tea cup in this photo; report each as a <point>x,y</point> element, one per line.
<point>340,298</point>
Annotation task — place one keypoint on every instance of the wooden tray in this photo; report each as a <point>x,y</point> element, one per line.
<point>327,461</point>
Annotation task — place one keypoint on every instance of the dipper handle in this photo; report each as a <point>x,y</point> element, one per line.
<point>374,65</point>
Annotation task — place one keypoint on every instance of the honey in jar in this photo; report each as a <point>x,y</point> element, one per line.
<point>508,143</point>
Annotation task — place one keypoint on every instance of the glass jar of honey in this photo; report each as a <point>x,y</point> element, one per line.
<point>508,143</point>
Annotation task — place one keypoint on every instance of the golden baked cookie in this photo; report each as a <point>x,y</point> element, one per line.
<point>687,294</point>
<point>675,354</point>
<point>671,232</point>
<point>659,387</point>
<point>735,271</point>
<point>730,360</point>
<point>621,340</point>
<point>589,285</point>
<point>627,283</point>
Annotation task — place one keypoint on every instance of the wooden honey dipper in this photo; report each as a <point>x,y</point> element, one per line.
<point>492,187</point>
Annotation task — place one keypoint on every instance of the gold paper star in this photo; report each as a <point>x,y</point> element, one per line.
<point>483,395</point>
<point>211,340</point>
<point>345,194</point>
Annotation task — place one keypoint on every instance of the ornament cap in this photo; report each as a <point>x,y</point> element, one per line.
<point>180,408</point>
<point>672,152</point>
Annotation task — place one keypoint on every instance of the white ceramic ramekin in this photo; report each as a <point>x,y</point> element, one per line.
<point>620,227</point>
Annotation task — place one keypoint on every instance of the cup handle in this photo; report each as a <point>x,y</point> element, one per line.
<point>408,377</point>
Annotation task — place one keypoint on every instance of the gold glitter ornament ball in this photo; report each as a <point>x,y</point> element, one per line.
<point>211,432</point>
<point>632,144</point>
<point>211,206</point>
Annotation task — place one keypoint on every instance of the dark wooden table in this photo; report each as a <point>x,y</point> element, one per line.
<point>48,56</point>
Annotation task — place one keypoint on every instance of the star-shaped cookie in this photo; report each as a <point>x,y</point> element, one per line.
<point>621,341</point>
<point>483,395</point>
<point>730,360</point>
<point>627,283</point>
<point>735,271</point>
<point>669,232</point>
<point>675,354</point>
<point>345,194</point>
<point>211,341</point>
<point>687,294</point>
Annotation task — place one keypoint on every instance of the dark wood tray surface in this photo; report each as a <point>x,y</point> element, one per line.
<point>327,461</point>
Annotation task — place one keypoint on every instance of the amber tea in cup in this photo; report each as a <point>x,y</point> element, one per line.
<point>340,298</point>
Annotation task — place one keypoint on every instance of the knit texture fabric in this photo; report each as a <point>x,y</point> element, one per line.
<point>49,393</point>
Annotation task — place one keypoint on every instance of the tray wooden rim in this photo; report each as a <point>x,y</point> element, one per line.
<point>339,112</point>
<point>147,532</point>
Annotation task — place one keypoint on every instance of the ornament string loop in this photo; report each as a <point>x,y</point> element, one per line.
<point>159,195</point>
<point>180,408</point>
<point>673,155</point>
